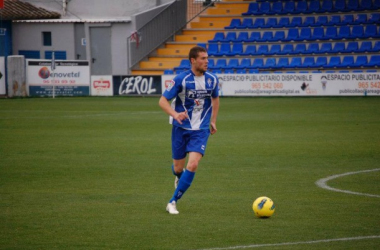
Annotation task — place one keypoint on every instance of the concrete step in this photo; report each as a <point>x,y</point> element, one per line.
<point>193,38</point>
<point>147,72</point>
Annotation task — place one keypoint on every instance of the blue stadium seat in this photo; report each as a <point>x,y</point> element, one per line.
<point>228,71</point>
<point>360,61</point>
<point>348,19</point>
<point>184,65</point>
<point>344,32</point>
<point>225,49</point>
<point>257,63</point>
<point>309,21</point>
<point>331,33</point>
<point>220,64</point>
<point>339,47</point>
<point>247,23</point>
<point>287,49</point>
<point>237,49</point>
<point>204,45</point>
<point>232,64</point>
<point>292,35</point>
<point>213,49</point>
<point>360,19</point>
<point>334,62</point>
<point>283,22</point>
<point>263,49</point>
<point>279,35</point>
<point>313,48</point>
<point>296,22</point>
<point>217,71</point>
<point>253,9</point>
<point>258,23</point>
<point>301,7</point>
<point>334,20</point>
<point>168,72</point>
<point>353,5</point>
<point>365,46</point>
<point>270,63</point>
<point>245,63</point>
<point>376,4</point>
<point>253,71</point>
<point>314,6</point>
<point>376,47</point>
<point>242,37</point>
<point>318,33</point>
<point>321,61</point>
<point>327,6</point>
<point>300,48</point>
<point>218,37</point>
<point>308,62</point>
<point>366,4</point>
<point>277,7</point>
<point>295,62</point>
<point>352,47</point>
<point>374,61</point>
<point>275,49</point>
<point>254,37</point>
<point>325,48</point>
<point>241,71</point>
<point>340,5</point>
<point>283,62</point>
<point>230,37</point>
<point>357,32</point>
<point>265,8</point>
<point>250,50</point>
<point>211,63</point>
<point>267,36</point>
<point>374,18</point>
<point>305,34</point>
<point>347,62</point>
<point>321,21</point>
<point>234,24</point>
<point>271,22</point>
<point>370,31</point>
<point>289,7</point>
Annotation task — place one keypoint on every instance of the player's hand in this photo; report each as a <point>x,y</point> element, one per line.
<point>213,128</point>
<point>181,116</point>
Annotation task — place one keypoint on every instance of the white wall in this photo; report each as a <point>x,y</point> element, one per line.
<point>28,36</point>
<point>98,8</point>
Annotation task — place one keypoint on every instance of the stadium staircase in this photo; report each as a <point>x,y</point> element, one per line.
<point>277,36</point>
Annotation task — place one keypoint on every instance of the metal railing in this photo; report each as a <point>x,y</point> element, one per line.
<point>162,27</point>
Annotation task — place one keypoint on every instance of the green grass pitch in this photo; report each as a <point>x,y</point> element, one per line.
<point>94,173</point>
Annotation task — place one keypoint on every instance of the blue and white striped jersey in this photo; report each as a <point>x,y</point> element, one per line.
<point>193,93</point>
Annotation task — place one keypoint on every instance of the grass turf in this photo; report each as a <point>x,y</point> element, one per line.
<point>88,173</point>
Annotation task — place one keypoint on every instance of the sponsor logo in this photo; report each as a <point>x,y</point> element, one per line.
<point>102,84</point>
<point>169,84</point>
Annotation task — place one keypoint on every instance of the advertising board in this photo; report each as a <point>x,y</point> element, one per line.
<point>69,78</point>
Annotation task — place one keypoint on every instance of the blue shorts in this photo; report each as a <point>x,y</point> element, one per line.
<point>185,141</point>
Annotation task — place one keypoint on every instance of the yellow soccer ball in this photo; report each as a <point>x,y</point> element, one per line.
<point>263,207</point>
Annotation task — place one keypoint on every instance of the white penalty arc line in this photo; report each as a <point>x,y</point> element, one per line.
<point>322,183</point>
<point>296,243</point>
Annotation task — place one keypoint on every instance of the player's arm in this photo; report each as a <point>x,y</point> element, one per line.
<point>167,108</point>
<point>214,115</point>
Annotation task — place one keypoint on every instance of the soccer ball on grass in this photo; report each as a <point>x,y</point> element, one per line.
<point>263,207</point>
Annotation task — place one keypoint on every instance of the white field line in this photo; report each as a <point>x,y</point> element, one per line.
<point>296,243</point>
<point>82,115</point>
<point>322,183</point>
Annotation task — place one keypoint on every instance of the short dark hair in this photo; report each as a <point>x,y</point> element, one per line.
<point>194,51</point>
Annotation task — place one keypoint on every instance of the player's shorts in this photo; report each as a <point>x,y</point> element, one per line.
<point>185,141</point>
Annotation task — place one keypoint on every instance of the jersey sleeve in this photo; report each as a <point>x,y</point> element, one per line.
<point>173,89</point>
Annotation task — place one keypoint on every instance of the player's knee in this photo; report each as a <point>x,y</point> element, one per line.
<point>192,166</point>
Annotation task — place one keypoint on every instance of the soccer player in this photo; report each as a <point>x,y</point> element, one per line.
<point>193,115</point>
